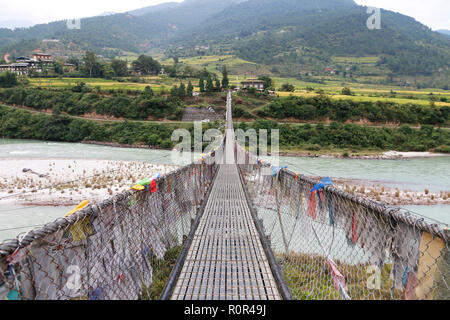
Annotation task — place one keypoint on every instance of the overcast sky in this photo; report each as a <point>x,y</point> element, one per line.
<point>433,13</point>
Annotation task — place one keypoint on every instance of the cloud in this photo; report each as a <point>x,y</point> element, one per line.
<point>44,11</point>
<point>433,13</point>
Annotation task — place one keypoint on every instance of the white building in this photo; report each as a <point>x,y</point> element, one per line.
<point>253,83</point>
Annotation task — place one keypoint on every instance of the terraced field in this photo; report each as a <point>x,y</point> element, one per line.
<point>157,83</point>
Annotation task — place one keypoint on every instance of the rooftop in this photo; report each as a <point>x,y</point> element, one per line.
<point>252,81</point>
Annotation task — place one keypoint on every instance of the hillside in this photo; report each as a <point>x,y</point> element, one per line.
<point>137,31</point>
<point>291,37</point>
<point>287,33</point>
<point>153,9</point>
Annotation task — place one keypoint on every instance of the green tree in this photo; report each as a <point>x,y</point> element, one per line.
<point>146,65</point>
<point>201,84</point>
<point>8,79</point>
<point>182,90</point>
<point>217,87</point>
<point>91,64</point>
<point>209,84</point>
<point>148,92</point>
<point>119,67</point>
<point>286,87</point>
<point>269,84</point>
<point>347,92</point>
<point>189,89</point>
<point>225,80</point>
<point>174,91</point>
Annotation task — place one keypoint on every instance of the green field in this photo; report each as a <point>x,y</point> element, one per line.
<point>365,98</point>
<point>157,83</point>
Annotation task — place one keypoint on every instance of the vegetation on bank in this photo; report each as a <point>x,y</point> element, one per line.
<point>339,135</point>
<point>305,283</point>
<point>80,100</point>
<point>322,107</point>
<point>161,273</point>
<point>21,124</point>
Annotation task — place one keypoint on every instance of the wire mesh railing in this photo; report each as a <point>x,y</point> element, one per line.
<point>123,248</point>
<point>334,245</point>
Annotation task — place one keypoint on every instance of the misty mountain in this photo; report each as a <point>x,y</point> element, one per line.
<point>153,9</point>
<point>282,33</point>
<point>15,23</point>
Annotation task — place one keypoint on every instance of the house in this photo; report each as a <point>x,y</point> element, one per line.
<point>5,67</point>
<point>19,68</point>
<point>43,58</point>
<point>24,65</point>
<point>329,70</point>
<point>253,83</point>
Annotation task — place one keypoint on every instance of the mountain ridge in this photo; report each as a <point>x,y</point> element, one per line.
<point>282,33</point>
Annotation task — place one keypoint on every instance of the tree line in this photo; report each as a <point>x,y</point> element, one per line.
<point>339,135</point>
<point>119,105</point>
<point>22,124</point>
<point>323,107</point>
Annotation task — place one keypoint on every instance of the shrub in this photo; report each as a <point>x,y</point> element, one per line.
<point>8,80</point>
<point>286,87</point>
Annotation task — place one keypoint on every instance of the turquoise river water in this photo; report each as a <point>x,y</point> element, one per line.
<point>414,174</point>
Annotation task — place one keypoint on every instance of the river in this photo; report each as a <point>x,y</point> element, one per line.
<point>414,174</point>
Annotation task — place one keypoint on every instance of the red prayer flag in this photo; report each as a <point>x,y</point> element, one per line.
<point>337,277</point>
<point>410,287</point>
<point>153,186</point>
<point>312,206</point>
<point>354,228</point>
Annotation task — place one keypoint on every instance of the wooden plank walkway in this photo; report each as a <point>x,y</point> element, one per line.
<point>226,260</point>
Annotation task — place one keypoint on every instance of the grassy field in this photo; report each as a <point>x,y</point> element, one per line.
<point>236,67</point>
<point>157,83</point>
<point>308,278</point>
<point>423,102</point>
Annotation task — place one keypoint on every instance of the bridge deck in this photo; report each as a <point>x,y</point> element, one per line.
<point>226,260</point>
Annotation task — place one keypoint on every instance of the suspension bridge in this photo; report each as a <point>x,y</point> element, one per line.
<point>221,230</point>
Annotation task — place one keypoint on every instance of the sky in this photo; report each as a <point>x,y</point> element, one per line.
<point>433,13</point>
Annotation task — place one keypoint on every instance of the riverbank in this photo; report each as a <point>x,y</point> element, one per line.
<point>392,196</point>
<point>388,155</point>
<point>64,182</point>
<point>364,154</point>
